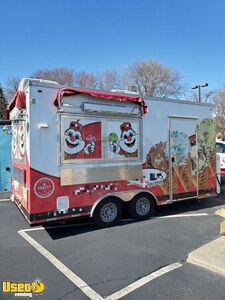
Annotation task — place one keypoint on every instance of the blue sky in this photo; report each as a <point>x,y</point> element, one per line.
<point>96,35</point>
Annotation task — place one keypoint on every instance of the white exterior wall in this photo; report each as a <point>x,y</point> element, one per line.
<point>155,123</point>
<point>43,141</point>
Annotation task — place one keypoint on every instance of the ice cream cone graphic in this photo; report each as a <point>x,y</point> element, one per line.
<point>165,186</point>
<point>212,162</point>
<point>203,179</point>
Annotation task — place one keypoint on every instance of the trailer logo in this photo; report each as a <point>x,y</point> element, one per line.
<point>23,289</point>
<point>44,188</point>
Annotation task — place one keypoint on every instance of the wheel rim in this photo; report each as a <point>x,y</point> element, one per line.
<point>109,212</point>
<point>142,206</point>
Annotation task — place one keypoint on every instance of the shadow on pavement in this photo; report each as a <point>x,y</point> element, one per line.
<point>190,205</point>
<point>85,225</point>
<point>77,227</point>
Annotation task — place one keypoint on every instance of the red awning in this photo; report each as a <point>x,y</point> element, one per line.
<point>18,101</point>
<point>102,95</point>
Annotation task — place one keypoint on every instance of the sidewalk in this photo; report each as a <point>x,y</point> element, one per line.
<point>212,255</point>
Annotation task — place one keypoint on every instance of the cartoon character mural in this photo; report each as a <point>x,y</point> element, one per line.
<point>127,144</point>
<point>80,141</point>
<point>18,140</point>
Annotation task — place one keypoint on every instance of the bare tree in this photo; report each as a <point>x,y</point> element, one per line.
<point>86,80</point>
<point>219,101</point>
<point>206,97</point>
<point>111,79</point>
<point>62,75</point>
<point>11,87</point>
<point>153,79</point>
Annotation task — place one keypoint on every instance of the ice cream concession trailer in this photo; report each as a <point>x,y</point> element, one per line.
<point>78,152</point>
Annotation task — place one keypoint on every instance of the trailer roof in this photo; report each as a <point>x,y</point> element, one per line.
<point>102,95</point>
<point>178,101</point>
<point>19,99</point>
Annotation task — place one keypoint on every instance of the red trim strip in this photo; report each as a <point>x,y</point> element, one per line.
<point>99,94</point>
<point>18,101</point>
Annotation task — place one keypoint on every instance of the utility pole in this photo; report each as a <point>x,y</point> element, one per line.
<point>199,86</point>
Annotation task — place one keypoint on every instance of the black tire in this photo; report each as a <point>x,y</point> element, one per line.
<point>108,212</point>
<point>142,207</point>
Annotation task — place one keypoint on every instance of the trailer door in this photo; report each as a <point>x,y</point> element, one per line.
<point>183,158</point>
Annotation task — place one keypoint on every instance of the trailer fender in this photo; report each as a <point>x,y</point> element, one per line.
<point>149,194</point>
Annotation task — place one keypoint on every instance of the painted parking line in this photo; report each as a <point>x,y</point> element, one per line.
<point>139,283</point>
<point>122,221</point>
<point>82,285</point>
<point>57,226</point>
<point>4,200</point>
<point>184,215</point>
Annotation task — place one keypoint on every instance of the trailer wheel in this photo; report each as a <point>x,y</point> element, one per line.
<point>108,212</point>
<point>142,207</point>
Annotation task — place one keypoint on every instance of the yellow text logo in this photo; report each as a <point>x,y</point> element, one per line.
<point>23,288</point>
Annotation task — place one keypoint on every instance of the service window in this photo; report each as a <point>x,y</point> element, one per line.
<point>81,139</point>
<point>122,139</point>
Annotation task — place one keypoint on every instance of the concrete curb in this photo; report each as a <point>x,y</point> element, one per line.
<point>210,256</point>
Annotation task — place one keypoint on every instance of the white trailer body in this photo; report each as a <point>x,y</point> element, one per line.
<point>80,152</point>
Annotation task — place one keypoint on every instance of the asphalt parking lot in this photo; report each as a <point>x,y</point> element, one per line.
<point>134,260</point>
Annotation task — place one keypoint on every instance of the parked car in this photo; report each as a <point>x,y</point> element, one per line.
<point>220,150</point>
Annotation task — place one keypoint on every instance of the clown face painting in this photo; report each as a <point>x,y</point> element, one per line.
<point>125,142</point>
<point>82,140</point>
<point>128,138</point>
<point>74,142</point>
